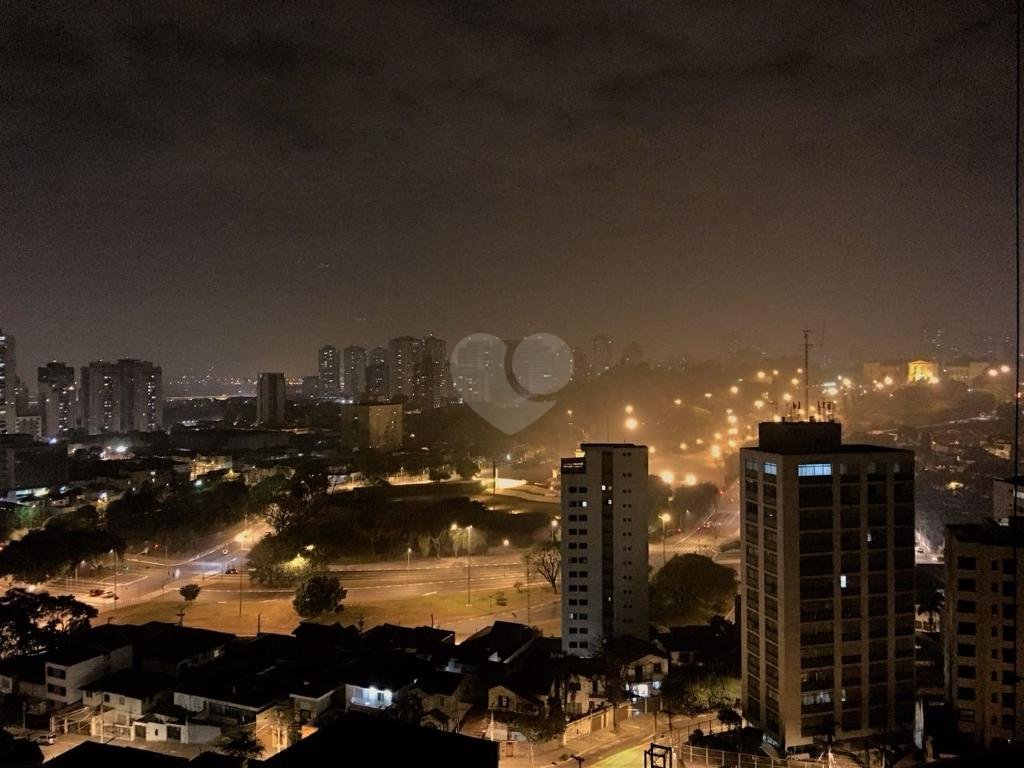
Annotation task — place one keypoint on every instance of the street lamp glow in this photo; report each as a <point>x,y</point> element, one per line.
<point>795,381</point>
<point>760,374</point>
<point>683,446</point>
<point>504,542</point>
<point>787,397</point>
<point>887,381</point>
<point>734,389</point>
<point>716,451</point>
<point>993,372</point>
<point>690,479</point>
<point>707,394</point>
<point>1004,368</point>
<point>759,403</point>
<point>632,423</point>
<point>668,476</point>
<point>629,409</point>
<point>678,401</point>
<point>664,517</point>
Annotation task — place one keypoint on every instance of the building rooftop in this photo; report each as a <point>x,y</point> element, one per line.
<point>374,740</point>
<point>133,683</point>
<point>90,754</point>
<point>987,532</point>
<point>809,437</point>
<point>584,446</point>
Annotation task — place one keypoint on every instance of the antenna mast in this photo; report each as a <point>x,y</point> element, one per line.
<point>807,373</point>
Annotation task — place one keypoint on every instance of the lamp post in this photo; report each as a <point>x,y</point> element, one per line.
<point>505,544</point>
<point>408,563</point>
<point>469,561</point>
<point>554,527</point>
<point>665,517</point>
<point>115,579</point>
<point>455,541</point>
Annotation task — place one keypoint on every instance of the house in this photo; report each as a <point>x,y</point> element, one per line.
<point>442,696</point>
<point>373,682</point>
<point>166,648</point>
<point>327,636</point>
<point>644,664</point>
<point>315,690</point>
<point>360,739</point>
<point>419,641</point>
<point>533,688</point>
<point>168,723</point>
<point>24,675</point>
<point>501,643</point>
<point>67,669</point>
<point>122,697</point>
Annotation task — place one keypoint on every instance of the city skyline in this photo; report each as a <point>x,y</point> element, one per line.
<point>324,176</point>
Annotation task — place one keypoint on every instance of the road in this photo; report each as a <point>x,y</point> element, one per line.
<point>705,535</point>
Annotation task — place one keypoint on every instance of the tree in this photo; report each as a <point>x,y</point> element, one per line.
<point>436,474</point>
<point>466,468</point>
<point>692,588</point>
<point>31,622</point>
<point>547,562</point>
<point>190,592</point>
<point>536,728</point>
<point>729,717</point>
<point>697,500</point>
<point>243,746</point>
<point>46,553</point>
<point>318,594</point>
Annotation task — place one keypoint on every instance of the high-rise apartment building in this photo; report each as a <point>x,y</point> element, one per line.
<point>330,370</point>
<point>430,374</point>
<point>827,574</point>
<point>58,398</point>
<point>984,628</point>
<point>478,368</point>
<point>270,400</point>
<point>604,546</point>
<point>599,355</point>
<point>8,408</point>
<point>126,396</point>
<point>355,372</point>
<point>404,355</point>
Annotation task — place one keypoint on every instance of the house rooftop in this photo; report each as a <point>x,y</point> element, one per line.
<point>988,532</point>
<point>132,683</point>
<point>408,638</point>
<point>90,754</point>
<point>439,682</point>
<point>371,739</point>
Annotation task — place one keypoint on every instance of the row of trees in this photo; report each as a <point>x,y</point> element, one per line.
<point>55,551</point>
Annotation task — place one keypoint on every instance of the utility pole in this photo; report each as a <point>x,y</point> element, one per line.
<point>469,562</point>
<point>528,563</point>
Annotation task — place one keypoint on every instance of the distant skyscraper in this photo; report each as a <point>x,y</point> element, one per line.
<point>478,363</point>
<point>270,400</point>
<point>430,374</point>
<point>404,354</point>
<point>378,383</point>
<point>604,546</point>
<point>8,410</point>
<point>126,396</point>
<point>330,370</point>
<point>355,372</point>
<point>57,399</point>
<point>827,575</point>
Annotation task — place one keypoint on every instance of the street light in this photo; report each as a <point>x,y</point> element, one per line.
<point>469,573</point>
<point>554,527</point>
<point>504,543</point>
<point>408,563</point>
<point>665,517</point>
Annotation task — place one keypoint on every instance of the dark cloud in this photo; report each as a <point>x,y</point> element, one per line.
<point>176,177</point>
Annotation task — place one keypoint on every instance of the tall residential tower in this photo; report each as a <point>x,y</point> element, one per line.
<point>604,546</point>
<point>827,574</point>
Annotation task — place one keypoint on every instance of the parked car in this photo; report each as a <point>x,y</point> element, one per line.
<point>95,593</point>
<point>231,571</point>
<point>43,738</point>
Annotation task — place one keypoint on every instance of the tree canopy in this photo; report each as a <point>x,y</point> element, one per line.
<point>318,594</point>
<point>32,622</point>
<point>690,589</point>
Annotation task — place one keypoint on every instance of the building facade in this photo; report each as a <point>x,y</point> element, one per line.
<point>126,396</point>
<point>604,546</point>
<point>270,400</point>
<point>378,382</point>
<point>827,579</point>
<point>355,372</point>
<point>404,355</point>
<point>8,408</point>
<point>58,399</point>
<point>984,628</point>
<point>430,374</point>
<point>377,426</point>
<point>330,370</point>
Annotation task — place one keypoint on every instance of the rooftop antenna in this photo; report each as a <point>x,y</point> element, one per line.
<point>807,369</point>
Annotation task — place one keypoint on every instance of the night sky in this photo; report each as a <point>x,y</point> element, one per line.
<point>233,185</point>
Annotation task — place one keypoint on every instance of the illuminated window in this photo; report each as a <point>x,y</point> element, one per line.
<point>771,469</point>
<point>814,470</point>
